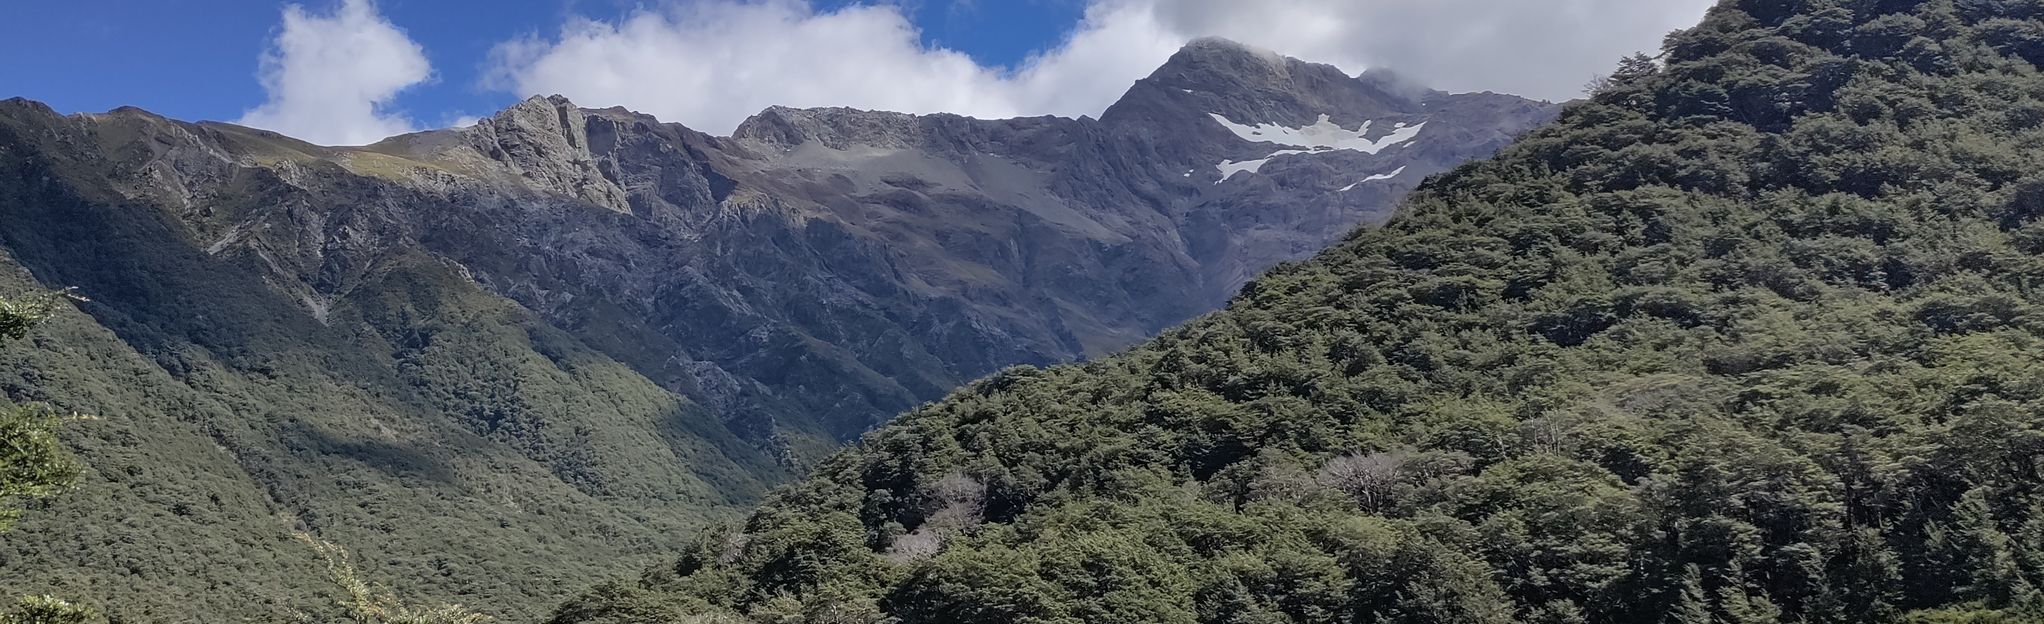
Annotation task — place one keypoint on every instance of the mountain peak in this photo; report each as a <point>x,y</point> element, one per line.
<point>536,103</point>
<point>549,114</point>
<point>545,139</point>
<point>1208,59</point>
<point>1205,48</point>
<point>836,127</point>
<point>1215,75</point>
<point>22,103</point>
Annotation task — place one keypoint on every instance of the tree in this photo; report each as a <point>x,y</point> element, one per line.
<point>368,604</point>
<point>1742,607</point>
<point>1635,67</point>
<point>1973,542</point>
<point>1630,69</point>
<point>1864,576</point>
<point>33,464</point>
<point>981,587</point>
<point>2029,539</point>
<point>1370,479</point>
<point>17,316</point>
<point>1691,607</point>
<point>49,610</point>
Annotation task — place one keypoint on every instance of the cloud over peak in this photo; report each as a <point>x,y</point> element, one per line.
<point>711,63</point>
<point>330,78</point>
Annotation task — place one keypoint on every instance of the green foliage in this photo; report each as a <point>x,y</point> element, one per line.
<point>33,463</point>
<point>1750,335</point>
<point>371,605</point>
<point>48,610</point>
<point>15,319</point>
<point>18,315</point>
<point>31,459</point>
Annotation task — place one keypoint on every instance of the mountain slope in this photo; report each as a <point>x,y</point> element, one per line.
<point>1751,337</point>
<point>434,429</point>
<point>499,363</point>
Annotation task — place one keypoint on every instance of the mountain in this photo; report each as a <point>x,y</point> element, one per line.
<point>822,270</point>
<point>504,361</point>
<point>1751,335</point>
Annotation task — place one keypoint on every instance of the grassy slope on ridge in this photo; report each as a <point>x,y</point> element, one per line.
<point>462,449</point>
<point>1753,337</point>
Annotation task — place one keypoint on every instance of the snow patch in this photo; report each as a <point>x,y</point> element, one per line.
<point>1322,135</point>
<point>1374,178</point>
<point>1385,176</point>
<point>1229,168</point>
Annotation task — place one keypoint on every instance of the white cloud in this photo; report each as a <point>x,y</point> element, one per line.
<point>330,78</point>
<point>711,63</point>
<point>1536,48</point>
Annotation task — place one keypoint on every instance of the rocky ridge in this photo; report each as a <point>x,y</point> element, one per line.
<point>936,248</point>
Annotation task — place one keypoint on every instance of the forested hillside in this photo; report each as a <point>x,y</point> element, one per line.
<point>1751,335</point>
<point>502,362</point>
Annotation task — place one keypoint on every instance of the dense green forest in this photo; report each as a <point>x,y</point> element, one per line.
<point>33,464</point>
<point>1753,334</point>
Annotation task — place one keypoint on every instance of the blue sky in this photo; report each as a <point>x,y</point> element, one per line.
<point>197,59</point>
<point>353,71</point>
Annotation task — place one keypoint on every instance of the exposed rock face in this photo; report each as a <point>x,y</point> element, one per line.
<point>545,144</point>
<point>793,284</point>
